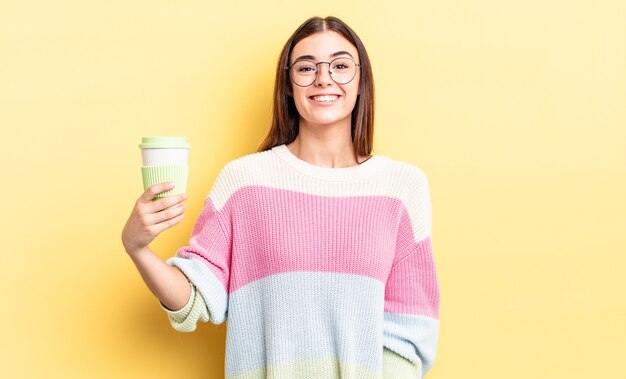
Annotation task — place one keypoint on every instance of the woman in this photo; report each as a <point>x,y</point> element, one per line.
<point>318,253</point>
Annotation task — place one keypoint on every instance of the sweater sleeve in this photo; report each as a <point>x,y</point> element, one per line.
<point>206,259</point>
<point>411,319</point>
<point>186,318</point>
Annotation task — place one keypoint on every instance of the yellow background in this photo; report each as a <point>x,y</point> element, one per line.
<point>514,109</point>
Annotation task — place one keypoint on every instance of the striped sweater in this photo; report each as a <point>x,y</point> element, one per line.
<point>319,272</point>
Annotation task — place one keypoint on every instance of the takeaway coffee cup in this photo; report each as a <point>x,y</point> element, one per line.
<point>165,159</point>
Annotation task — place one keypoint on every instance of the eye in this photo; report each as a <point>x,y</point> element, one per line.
<point>304,68</point>
<point>342,65</point>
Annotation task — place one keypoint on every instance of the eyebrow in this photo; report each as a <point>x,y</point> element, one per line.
<point>312,58</point>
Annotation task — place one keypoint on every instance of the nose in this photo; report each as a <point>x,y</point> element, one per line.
<point>323,75</point>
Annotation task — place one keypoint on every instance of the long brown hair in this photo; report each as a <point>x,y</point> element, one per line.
<point>285,116</point>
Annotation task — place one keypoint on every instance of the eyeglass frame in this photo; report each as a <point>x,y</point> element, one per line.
<point>288,69</point>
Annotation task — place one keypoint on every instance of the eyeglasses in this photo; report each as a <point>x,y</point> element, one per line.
<point>304,73</point>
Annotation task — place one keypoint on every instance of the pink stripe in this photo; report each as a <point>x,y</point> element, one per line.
<point>263,231</point>
<point>285,231</point>
<point>412,285</point>
<point>209,243</point>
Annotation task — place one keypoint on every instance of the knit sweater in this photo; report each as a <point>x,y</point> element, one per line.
<point>319,272</point>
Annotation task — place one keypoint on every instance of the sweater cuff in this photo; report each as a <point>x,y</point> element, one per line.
<point>396,366</point>
<point>181,314</point>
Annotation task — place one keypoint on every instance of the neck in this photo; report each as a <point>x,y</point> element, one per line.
<point>324,145</point>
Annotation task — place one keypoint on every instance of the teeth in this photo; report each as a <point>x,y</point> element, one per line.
<point>326,99</point>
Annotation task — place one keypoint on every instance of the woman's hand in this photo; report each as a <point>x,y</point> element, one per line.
<point>149,218</point>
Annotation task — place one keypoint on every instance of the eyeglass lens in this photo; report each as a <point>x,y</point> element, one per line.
<point>304,73</point>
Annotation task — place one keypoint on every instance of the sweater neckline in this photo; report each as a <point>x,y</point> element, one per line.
<point>357,171</point>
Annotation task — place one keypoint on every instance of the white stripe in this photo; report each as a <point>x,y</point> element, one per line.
<point>392,178</point>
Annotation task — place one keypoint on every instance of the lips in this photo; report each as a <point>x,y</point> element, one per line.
<point>324,99</point>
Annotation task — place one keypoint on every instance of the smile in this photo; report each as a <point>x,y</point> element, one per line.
<point>326,99</point>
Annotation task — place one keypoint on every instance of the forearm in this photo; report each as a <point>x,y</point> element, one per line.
<point>167,283</point>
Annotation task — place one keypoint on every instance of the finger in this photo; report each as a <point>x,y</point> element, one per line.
<point>165,214</point>
<point>158,228</point>
<point>151,192</point>
<point>165,203</point>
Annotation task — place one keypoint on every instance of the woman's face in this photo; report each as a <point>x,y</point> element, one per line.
<point>325,102</point>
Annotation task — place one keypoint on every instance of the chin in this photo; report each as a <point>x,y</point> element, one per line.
<point>328,120</point>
